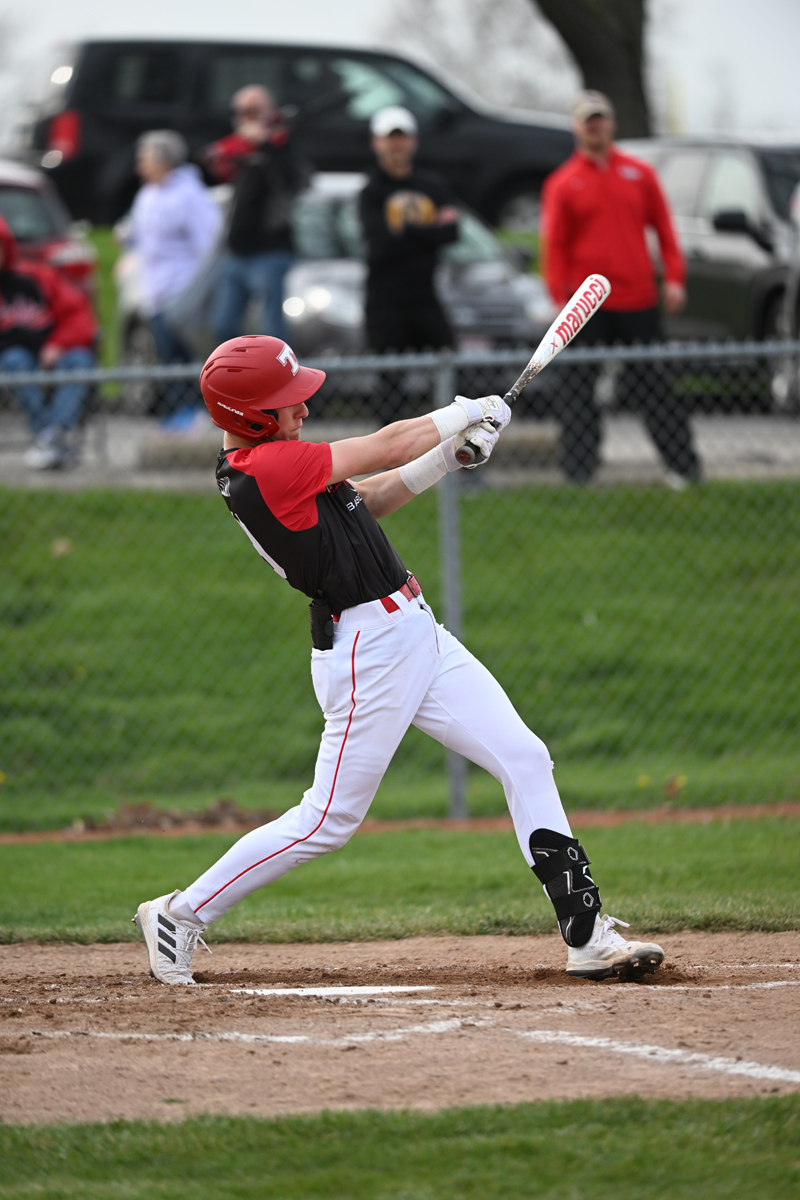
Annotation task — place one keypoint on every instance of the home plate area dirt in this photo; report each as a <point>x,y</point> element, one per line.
<point>85,1034</point>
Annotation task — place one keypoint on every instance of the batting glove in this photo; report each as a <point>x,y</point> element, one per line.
<point>464,412</point>
<point>483,436</point>
<point>494,409</point>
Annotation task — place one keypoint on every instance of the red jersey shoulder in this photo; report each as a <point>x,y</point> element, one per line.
<point>290,476</point>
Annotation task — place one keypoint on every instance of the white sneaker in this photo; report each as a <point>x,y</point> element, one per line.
<point>606,953</point>
<point>49,451</point>
<point>675,482</point>
<point>170,943</point>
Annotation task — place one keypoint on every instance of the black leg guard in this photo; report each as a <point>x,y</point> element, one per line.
<point>561,864</point>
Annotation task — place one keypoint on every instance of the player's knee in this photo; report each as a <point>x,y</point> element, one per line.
<point>334,832</point>
<point>537,756</point>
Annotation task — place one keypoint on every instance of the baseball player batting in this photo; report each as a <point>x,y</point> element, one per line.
<point>380,660</point>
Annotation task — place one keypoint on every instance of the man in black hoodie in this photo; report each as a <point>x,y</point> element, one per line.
<point>407,214</point>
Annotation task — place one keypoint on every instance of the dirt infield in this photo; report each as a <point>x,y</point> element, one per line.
<point>85,1034</point>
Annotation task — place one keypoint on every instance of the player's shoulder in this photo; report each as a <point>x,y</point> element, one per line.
<point>283,467</point>
<point>284,452</point>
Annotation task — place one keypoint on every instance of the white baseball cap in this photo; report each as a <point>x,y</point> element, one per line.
<point>393,120</point>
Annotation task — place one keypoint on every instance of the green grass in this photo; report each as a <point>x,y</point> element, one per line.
<point>108,251</point>
<point>651,640</point>
<point>575,1150</point>
<point>728,875</point>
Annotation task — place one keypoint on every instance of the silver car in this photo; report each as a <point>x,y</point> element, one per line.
<point>489,298</point>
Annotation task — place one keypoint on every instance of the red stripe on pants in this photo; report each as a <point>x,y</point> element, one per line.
<point>297,841</point>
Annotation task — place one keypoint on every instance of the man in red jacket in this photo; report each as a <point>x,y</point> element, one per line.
<point>597,208</point>
<point>44,322</point>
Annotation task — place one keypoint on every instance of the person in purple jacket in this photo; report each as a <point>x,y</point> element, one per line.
<point>174,227</point>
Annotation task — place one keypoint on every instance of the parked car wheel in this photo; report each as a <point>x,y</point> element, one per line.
<point>784,383</point>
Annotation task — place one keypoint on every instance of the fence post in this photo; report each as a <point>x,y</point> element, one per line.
<point>450,557</point>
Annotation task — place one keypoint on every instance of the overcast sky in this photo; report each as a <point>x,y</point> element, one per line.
<point>716,63</point>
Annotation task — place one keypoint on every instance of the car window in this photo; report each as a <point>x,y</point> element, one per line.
<point>232,70</point>
<point>377,83</point>
<point>422,95</point>
<point>475,242</point>
<point>732,183</point>
<point>680,176</point>
<point>782,174</point>
<point>27,214</point>
<point>327,227</point>
<point>143,77</point>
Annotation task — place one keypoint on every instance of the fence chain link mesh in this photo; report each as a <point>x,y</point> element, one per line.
<point>644,624</point>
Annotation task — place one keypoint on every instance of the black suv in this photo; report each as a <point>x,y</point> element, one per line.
<point>107,93</point>
<point>730,200</point>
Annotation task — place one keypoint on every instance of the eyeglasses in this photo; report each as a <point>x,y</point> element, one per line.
<point>252,111</point>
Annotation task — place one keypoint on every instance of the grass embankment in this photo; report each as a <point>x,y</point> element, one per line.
<point>108,251</point>
<point>576,1150</point>
<point>652,640</point>
<point>737,875</point>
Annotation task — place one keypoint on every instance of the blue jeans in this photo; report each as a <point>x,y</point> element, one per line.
<point>251,276</point>
<point>175,394</point>
<point>65,405</point>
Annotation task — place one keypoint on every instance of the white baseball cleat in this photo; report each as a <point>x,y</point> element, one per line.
<point>170,943</point>
<point>606,953</point>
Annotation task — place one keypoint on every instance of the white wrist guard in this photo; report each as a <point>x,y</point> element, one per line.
<point>429,468</point>
<point>457,416</point>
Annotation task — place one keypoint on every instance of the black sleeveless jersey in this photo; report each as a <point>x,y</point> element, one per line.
<point>323,540</point>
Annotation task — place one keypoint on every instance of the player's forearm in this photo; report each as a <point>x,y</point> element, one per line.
<point>403,441</point>
<point>393,446</point>
<point>385,493</point>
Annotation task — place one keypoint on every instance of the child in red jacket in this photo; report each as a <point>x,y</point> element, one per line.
<point>44,322</point>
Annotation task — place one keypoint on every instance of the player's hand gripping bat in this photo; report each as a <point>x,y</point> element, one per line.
<point>572,318</point>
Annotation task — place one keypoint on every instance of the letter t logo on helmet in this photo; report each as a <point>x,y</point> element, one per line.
<point>287,357</point>
<point>245,378</point>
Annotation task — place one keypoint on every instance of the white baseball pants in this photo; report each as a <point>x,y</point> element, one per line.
<point>388,670</point>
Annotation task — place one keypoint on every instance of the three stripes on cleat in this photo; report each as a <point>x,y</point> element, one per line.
<point>164,939</point>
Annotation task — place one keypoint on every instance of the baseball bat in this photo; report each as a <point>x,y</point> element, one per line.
<point>572,318</point>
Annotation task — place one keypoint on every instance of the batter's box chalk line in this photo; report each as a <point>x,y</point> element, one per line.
<point>391,1035</point>
<point>654,1054</point>
<point>331,991</point>
<point>660,1054</point>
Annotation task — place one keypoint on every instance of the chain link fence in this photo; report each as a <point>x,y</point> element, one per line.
<point>627,565</point>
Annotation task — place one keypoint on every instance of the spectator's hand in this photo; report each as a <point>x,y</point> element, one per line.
<point>49,355</point>
<point>674,297</point>
<point>447,215</point>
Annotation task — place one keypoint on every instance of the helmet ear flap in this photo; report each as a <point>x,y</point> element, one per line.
<point>268,427</point>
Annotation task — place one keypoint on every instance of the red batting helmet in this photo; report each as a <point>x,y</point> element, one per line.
<point>244,379</point>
